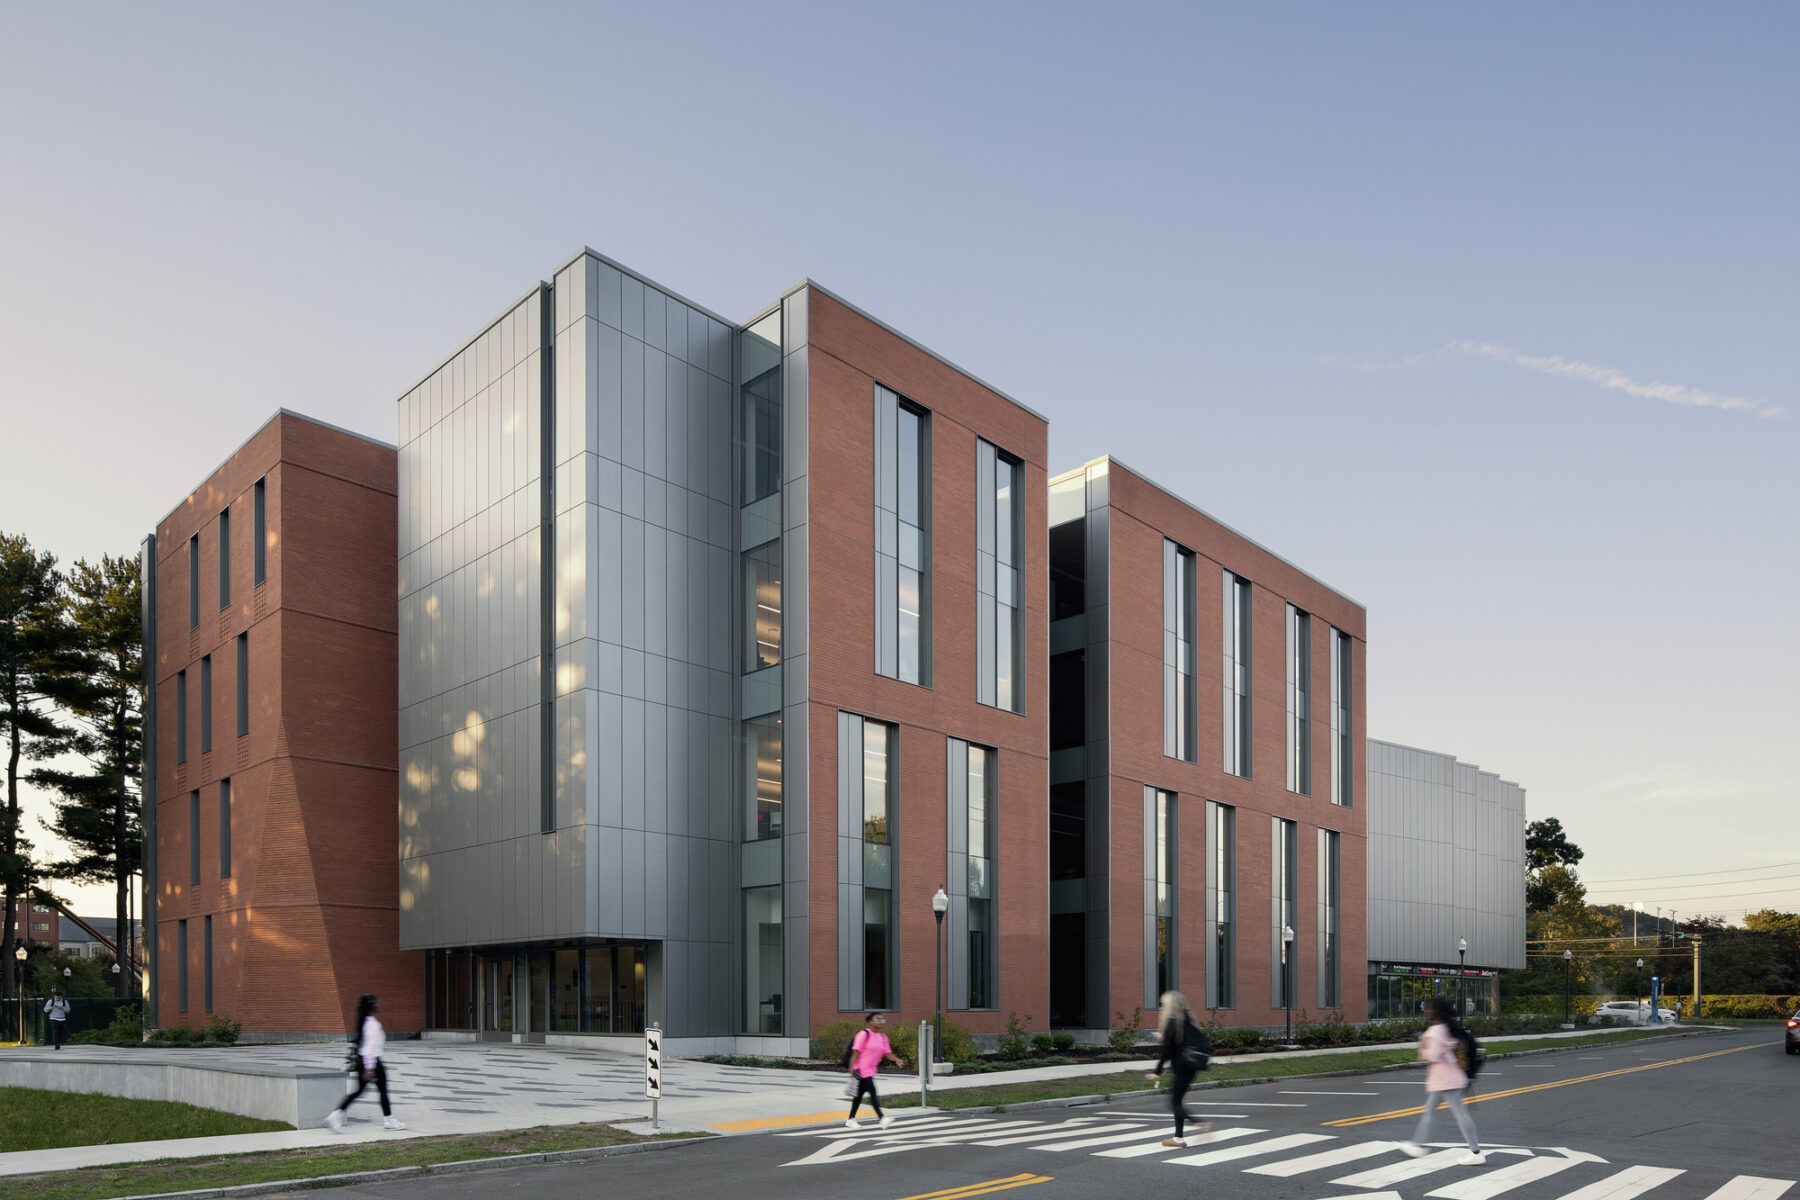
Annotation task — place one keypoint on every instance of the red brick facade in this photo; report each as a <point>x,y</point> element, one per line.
<point>1142,515</point>
<point>306,920</point>
<point>848,355</point>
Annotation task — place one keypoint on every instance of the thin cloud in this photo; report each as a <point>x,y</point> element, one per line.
<point>1610,378</point>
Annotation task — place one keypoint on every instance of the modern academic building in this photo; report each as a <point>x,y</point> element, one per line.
<point>721,646</point>
<point>1446,880</point>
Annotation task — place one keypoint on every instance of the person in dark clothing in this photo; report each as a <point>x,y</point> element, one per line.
<point>370,1041</point>
<point>1175,1020</point>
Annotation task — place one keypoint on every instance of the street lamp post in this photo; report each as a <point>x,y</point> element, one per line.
<point>1640,981</point>
<point>1287,976</point>
<point>1568,961</point>
<point>1462,955</point>
<point>19,987</point>
<point>939,904</point>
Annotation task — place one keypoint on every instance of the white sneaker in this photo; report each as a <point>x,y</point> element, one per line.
<point>850,1124</point>
<point>1174,1142</point>
<point>1411,1149</point>
<point>392,1123</point>
<point>334,1120</point>
<point>887,1120</point>
<point>1471,1159</point>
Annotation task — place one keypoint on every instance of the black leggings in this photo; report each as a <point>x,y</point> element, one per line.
<point>865,1085</point>
<point>379,1075</point>
<point>1178,1091</point>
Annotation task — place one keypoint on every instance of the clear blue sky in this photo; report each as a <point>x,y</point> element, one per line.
<point>1350,277</point>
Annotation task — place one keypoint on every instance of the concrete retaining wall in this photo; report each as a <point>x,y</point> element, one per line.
<point>298,1098</point>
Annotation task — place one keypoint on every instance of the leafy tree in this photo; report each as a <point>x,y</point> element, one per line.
<point>36,653</point>
<point>97,807</point>
<point>1550,858</point>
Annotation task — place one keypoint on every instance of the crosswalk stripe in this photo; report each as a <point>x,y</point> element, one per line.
<point>1156,1147</point>
<point>1134,1135</point>
<point>1623,1185</point>
<point>1400,1172</point>
<point>863,1128</point>
<point>1489,1184</point>
<point>1047,1133</point>
<point>1325,1158</point>
<point>1752,1187</point>
<point>950,1134</point>
<point>1230,1153</point>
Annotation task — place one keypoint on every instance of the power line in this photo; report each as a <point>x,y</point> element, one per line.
<point>1731,895</point>
<point>1691,874</point>
<point>1677,887</point>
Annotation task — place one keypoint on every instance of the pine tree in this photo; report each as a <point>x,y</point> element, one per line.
<point>97,810</point>
<point>36,652</point>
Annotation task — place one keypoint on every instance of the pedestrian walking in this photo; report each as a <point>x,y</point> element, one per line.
<point>57,1009</point>
<point>867,1050</point>
<point>367,1036</point>
<point>1445,1082</point>
<point>1181,1037</point>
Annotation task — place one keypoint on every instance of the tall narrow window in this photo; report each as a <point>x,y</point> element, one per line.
<point>762,774</point>
<point>1299,686</point>
<point>225,558</point>
<point>1237,675</point>
<point>878,867</point>
<point>762,606</point>
<point>902,540</point>
<point>224,829</point>
<point>1161,847</point>
<point>1330,995</point>
<point>867,780</point>
<point>194,582</point>
<point>259,532</point>
<point>181,730</point>
<point>206,705</point>
<point>206,961</point>
<point>1221,891</point>
<point>762,960</point>
<point>1343,756</point>
<point>1179,696</point>
<point>181,966</point>
<point>194,837</point>
<point>243,684</point>
<point>1284,866</point>
<point>999,633</point>
<point>981,796</point>
<point>760,408</point>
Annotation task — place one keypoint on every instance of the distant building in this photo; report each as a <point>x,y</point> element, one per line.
<point>269,733</point>
<point>37,923</point>
<point>82,944</point>
<point>1446,880</point>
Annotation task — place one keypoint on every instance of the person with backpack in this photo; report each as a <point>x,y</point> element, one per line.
<point>1451,1058</point>
<point>867,1049</point>
<point>57,1010</point>
<point>369,1041</point>
<point>1185,1049</point>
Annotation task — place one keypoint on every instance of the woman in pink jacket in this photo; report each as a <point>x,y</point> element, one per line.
<point>867,1050</point>
<point>1445,1082</point>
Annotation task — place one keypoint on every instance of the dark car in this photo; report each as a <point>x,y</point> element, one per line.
<point>1793,1034</point>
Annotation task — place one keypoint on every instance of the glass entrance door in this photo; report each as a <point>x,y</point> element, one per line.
<point>497,998</point>
<point>537,1007</point>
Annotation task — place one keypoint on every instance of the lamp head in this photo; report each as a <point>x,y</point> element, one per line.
<point>1568,954</point>
<point>19,952</point>
<point>940,903</point>
<point>1640,964</point>
<point>1462,945</point>
<point>1287,933</point>
<point>67,972</point>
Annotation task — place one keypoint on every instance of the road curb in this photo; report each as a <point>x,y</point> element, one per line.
<point>462,1166</point>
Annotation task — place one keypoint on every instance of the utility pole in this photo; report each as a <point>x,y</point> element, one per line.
<point>1696,979</point>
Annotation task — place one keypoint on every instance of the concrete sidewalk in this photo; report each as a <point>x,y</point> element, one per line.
<point>485,1087</point>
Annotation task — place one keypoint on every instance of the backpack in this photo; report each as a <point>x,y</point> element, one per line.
<point>1196,1047</point>
<point>850,1049</point>
<point>1468,1052</point>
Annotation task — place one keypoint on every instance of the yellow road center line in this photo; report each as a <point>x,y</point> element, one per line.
<point>1538,1087</point>
<point>981,1189</point>
<point>837,1114</point>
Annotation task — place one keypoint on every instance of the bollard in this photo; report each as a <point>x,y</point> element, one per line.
<point>927,1052</point>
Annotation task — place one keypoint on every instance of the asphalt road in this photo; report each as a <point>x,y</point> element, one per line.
<point>1698,1118</point>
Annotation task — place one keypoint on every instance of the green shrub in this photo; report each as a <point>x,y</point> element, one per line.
<point>1237,1041</point>
<point>1015,1042</point>
<point>828,1044</point>
<point>223,1030</point>
<point>1123,1037</point>
<point>1042,1043</point>
<point>1062,1041</point>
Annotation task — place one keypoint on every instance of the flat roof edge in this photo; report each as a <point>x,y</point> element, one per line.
<point>257,432</point>
<point>1446,754</point>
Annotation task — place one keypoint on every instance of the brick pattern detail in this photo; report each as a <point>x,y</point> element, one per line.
<point>307,920</point>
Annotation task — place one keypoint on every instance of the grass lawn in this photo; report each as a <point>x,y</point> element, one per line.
<point>1225,1072</point>
<point>35,1120</point>
<point>179,1175</point>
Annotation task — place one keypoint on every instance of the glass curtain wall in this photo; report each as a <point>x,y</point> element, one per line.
<point>878,866</point>
<point>1330,991</point>
<point>1284,910</point>
<point>1163,845</point>
<point>902,539</point>
<point>983,792</point>
<point>1237,675</point>
<point>1299,685</point>
<point>762,777</point>
<point>1343,756</point>
<point>762,959</point>
<point>999,634</point>
<point>1179,731</point>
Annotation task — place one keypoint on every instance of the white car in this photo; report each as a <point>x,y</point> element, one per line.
<point>1632,1012</point>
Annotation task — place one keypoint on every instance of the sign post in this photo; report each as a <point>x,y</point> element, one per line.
<point>653,1072</point>
<point>927,1052</point>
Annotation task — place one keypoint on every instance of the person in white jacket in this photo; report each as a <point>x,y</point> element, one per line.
<point>1445,1081</point>
<point>57,1010</point>
<point>369,1040</point>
